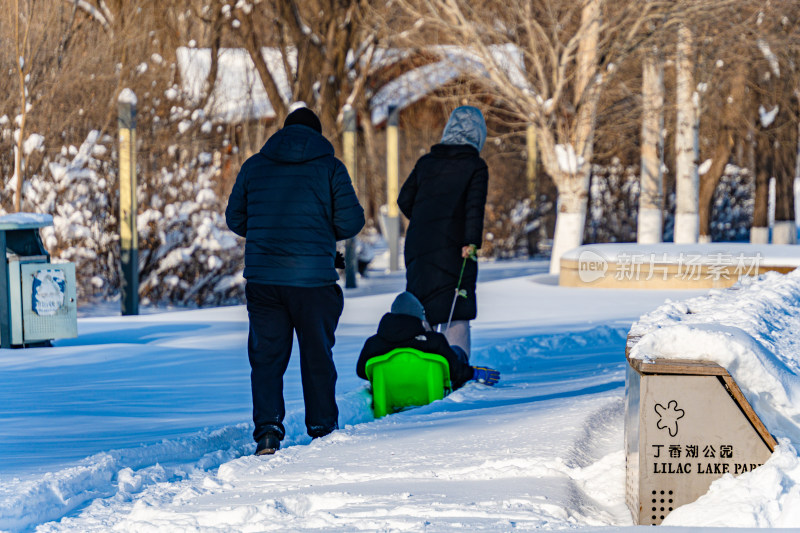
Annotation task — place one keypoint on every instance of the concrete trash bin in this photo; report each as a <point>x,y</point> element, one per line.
<point>687,424</point>
<point>38,299</point>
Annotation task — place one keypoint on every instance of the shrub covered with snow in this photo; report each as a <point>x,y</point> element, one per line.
<point>188,255</point>
<point>732,206</point>
<point>613,203</point>
<point>77,188</point>
<point>519,229</point>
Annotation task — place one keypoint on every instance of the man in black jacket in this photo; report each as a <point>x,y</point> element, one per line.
<point>292,201</point>
<point>405,327</point>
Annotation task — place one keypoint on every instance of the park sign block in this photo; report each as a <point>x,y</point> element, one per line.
<point>687,424</point>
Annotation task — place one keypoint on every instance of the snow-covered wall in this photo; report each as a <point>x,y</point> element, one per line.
<point>753,331</point>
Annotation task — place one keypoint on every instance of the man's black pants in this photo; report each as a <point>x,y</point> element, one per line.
<point>276,311</point>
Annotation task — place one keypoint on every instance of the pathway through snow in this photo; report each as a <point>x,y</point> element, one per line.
<point>159,407</point>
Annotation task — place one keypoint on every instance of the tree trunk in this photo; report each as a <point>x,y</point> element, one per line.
<point>587,51</point>
<point>532,165</point>
<point>686,144</point>
<point>710,180</point>
<point>650,218</point>
<point>729,121</point>
<point>785,230</point>
<point>533,234</point>
<point>16,178</point>
<point>253,47</point>
<point>570,219</point>
<point>569,164</point>
<point>20,42</point>
<point>214,42</point>
<point>759,231</point>
<point>796,181</point>
<point>366,187</point>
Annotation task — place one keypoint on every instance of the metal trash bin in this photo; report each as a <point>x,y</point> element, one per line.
<point>687,424</point>
<point>38,299</point>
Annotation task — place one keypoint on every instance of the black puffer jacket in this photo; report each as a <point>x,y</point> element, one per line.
<point>444,199</point>
<point>292,201</point>
<point>405,331</point>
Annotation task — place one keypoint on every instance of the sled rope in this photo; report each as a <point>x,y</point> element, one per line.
<point>457,294</point>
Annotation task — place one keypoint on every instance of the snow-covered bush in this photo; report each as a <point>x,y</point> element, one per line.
<point>519,230</point>
<point>613,203</point>
<point>733,203</point>
<point>78,188</point>
<point>187,254</point>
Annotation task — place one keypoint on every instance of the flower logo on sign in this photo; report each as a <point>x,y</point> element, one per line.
<point>669,416</point>
<point>48,290</point>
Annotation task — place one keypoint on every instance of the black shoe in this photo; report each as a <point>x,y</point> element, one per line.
<point>316,432</point>
<point>269,444</point>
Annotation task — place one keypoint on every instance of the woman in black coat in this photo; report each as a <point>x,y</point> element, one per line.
<point>444,199</point>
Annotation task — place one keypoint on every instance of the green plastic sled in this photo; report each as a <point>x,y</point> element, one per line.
<point>405,378</point>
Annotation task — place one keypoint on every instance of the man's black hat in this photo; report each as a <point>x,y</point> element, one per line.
<point>304,116</point>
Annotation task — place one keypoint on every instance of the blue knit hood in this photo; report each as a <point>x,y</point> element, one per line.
<point>465,126</point>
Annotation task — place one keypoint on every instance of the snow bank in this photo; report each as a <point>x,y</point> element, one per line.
<point>768,496</point>
<point>51,496</point>
<point>118,475</point>
<point>753,331</point>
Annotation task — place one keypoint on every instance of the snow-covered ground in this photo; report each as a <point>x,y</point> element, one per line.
<point>143,424</point>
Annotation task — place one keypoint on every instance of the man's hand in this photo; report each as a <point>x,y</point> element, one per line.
<point>470,251</point>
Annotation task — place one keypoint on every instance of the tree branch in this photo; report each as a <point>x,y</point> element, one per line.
<point>103,19</point>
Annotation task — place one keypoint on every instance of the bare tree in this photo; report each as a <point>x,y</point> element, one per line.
<point>326,48</point>
<point>776,158</point>
<point>728,126</point>
<point>568,51</point>
<point>22,25</point>
<point>725,62</point>
<point>774,115</point>
<point>759,150</point>
<point>98,11</point>
<point>31,26</point>
<point>687,181</point>
<point>651,197</point>
<point>211,13</point>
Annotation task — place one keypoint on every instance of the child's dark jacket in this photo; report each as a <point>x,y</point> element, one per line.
<point>405,331</point>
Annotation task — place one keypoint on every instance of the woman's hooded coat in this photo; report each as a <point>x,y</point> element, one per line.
<point>444,199</point>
